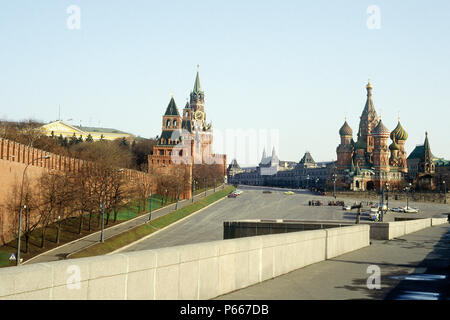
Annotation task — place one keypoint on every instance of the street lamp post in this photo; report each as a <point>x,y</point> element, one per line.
<point>445,192</point>
<point>214,184</point>
<point>193,190</point>
<point>334,185</point>
<point>307,181</point>
<point>407,192</point>
<point>387,196</point>
<point>382,203</point>
<point>22,207</point>
<point>205,187</point>
<point>178,196</point>
<point>151,203</point>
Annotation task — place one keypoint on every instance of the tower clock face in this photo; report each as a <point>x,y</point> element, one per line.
<point>199,115</point>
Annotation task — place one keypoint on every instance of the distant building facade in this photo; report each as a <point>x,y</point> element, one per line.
<point>276,173</point>
<point>60,128</point>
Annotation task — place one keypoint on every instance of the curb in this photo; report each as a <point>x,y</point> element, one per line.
<point>97,232</point>
<point>165,228</point>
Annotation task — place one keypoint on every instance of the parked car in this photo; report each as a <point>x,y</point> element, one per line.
<point>232,195</point>
<point>267,191</point>
<point>238,192</point>
<point>347,208</point>
<point>398,209</point>
<point>410,210</point>
<point>288,192</point>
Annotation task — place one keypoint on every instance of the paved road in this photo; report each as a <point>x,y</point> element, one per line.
<point>207,225</point>
<point>61,252</point>
<point>413,267</point>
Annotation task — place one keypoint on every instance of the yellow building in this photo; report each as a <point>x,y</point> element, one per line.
<point>59,128</point>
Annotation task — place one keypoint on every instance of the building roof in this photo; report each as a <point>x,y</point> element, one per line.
<point>169,134</point>
<point>172,109</point>
<point>307,158</point>
<point>100,130</point>
<point>369,108</point>
<point>399,133</point>
<point>345,130</point>
<point>197,86</point>
<point>381,130</point>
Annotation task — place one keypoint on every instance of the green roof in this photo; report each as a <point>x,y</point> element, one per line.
<point>172,109</point>
<point>197,86</point>
<point>100,130</point>
<point>167,134</point>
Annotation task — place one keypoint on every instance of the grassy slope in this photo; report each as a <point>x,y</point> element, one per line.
<point>141,231</point>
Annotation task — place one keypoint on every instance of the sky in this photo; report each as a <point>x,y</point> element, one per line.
<point>296,68</point>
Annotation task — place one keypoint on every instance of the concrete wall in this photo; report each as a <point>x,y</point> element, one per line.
<point>197,271</point>
<point>438,221</point>
<point>390,230</point>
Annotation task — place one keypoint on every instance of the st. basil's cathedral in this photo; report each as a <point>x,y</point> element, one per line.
<point>371,162</point>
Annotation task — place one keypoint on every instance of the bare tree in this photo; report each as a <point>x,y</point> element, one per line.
<point>30,220</point>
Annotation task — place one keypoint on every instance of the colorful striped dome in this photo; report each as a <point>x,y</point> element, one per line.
<point>346,130</point>
<point>381,130</point>
<point>399,133</point>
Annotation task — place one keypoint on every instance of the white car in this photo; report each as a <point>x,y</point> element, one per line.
<point>347,208</point>
<point>399,209</point>
<point>238,192</point>
<point>410,210</point>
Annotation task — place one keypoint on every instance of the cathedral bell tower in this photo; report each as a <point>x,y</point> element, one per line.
<point>369,120</point>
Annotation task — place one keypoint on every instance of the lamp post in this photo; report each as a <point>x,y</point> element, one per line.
<point>387,196</point>
<point>382,203</point>
<point>22,207</point>
<point>178,196</point>
<point>445,192</point>
<point>407,191</point>
<point>307,181</point>
<point>214,184</point>
<point>334,185</point>
<point>193,190</point>
<point>205,187</point>
<point>151,203</point>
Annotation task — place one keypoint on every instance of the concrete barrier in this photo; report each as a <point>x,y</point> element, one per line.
<point>196,271</point>
<point>438,221</point>
<point>391,230</point>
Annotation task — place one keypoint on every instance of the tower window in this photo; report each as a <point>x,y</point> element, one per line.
<point>168,124</point>
<point>174,123</point>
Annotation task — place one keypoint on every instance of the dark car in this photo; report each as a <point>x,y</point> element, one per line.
<point>232,195</point>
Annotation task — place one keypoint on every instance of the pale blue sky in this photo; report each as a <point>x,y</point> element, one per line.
<point>296,66</point>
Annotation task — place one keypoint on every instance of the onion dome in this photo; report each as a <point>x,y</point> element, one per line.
<point>346,130</point>
<point>399,133</point>
<point>381,130</point>
<point>394,146</point>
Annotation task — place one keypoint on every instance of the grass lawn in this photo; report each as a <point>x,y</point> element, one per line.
<point>69,232</point>
<point>141,231</point>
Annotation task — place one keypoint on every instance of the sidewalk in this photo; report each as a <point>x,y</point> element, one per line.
<point>61,252</point>
<point>425,253</point>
